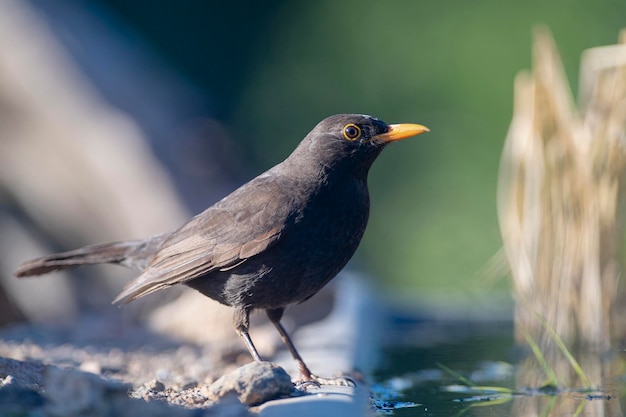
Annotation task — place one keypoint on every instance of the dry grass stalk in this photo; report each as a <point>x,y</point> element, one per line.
<point>561,195</point>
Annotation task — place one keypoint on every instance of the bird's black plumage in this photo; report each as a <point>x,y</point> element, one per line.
<point>275,241</point>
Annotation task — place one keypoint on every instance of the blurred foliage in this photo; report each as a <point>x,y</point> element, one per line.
<point>276,68</point>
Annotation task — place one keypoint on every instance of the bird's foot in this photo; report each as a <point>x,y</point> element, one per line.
<point>311,380</point>
<point>303,385</point>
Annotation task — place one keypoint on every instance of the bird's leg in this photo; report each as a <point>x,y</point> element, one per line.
<point>241,321</point>
<point>275,315</point>
<point>305,373</point>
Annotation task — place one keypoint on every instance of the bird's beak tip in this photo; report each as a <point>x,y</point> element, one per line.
<point>402,131</point>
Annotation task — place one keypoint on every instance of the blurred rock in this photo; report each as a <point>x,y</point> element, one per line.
<point>253,384</point>
<point>155,385</point>
<point>73,169</point>
<point>14,400</point>
<point>22,374</point>
<point>72,392</point>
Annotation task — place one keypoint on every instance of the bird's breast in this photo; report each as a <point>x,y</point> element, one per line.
<point>320,242</point>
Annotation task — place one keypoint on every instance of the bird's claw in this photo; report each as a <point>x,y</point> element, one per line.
<point>342,381</point>
<point>304,385</point>
<point>317,381</point>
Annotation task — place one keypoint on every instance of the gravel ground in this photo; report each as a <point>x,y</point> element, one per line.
<point>120,364</point>
<point>44,365</point>
<point>182,358</point>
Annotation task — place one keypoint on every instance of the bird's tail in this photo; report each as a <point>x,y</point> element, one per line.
<point>132,253</point>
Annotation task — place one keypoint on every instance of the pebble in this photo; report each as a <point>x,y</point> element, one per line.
<point>155,385</point>
<point>252,384</point>
<point>7,381</point>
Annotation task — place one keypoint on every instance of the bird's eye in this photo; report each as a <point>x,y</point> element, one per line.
<point>351,132</point>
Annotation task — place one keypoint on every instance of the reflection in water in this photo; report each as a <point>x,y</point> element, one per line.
<point>475,368</point>
<point>593,383</point>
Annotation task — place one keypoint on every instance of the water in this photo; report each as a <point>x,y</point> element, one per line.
<point>454,368</point>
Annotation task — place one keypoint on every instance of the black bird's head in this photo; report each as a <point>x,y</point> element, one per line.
<point>349,142</point>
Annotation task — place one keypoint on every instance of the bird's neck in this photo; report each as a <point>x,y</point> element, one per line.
<point>320,165</point>
<point>315,174</point>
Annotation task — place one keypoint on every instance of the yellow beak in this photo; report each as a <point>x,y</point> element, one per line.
<point>402,131</point>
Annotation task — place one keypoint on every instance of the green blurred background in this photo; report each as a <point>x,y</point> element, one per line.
<point>273,69</point>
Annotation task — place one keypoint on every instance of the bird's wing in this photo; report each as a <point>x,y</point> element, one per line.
<point>225,235</point>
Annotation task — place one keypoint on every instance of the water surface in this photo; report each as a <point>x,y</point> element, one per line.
<point>453,368</point>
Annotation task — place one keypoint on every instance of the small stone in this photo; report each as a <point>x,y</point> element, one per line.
<point>7,381</point>
<point>155,385</point>
<point>253,384</point>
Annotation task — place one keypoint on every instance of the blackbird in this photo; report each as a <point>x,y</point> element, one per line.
<point>275,241</point>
